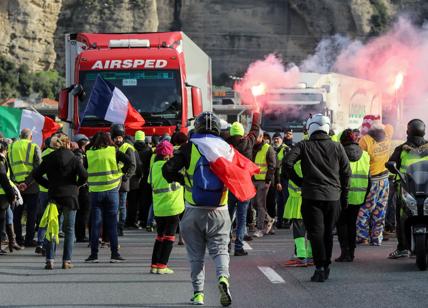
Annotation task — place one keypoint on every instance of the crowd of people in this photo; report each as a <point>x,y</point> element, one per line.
<point>94,189</point>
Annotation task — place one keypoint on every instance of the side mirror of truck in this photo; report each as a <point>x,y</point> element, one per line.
<point>77,90</point>
<point>63,104</point>
<point>196,101</point>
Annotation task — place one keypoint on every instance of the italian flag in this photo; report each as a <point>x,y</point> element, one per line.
<point>13,120</point>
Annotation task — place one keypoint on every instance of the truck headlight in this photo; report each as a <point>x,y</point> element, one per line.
<point>410,202</point>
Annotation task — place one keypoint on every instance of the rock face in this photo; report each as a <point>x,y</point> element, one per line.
<point>233,32</point>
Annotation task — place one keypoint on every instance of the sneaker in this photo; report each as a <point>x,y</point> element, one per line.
<point>198,299</point>
<point>149,229</point>
<point>165,271</point>
<point>258,233</point>
<point>296,263</point>
<point>67,265</point>
<point>269,226</point>
<point>223,286</point>
<point>153,270</point>
<point>116,259</point>
<point>240,252</point>
<point>49,265</point>
<point>362,242</point>
<point>396,254</point>
<point>92,259</point>
<point>39,250</point>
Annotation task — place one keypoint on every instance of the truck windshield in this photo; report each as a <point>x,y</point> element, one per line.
<point>154,94</point>
<point>279,116</point>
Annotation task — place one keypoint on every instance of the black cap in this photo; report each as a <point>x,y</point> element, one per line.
<point>117,130</point>
<point>277,135</point>
<point>416,128</point>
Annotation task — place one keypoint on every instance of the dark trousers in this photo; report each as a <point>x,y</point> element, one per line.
<point>30,205</point>
<point>145,203</point>
<point>133,207</point>
<point>319,218</point>
<point>271,201</point>
<point>82,215</point>
<point>399,228</point>
<point>347,227</point>
<point>390,216</point>
<point>166,229</point>
<point>281,200</point>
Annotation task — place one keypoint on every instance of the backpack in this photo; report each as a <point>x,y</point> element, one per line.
<point>207,188</point>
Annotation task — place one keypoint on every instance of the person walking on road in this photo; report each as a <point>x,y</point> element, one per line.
<point>358,190</point>
<point>168,204</point>
<point>244,144</point>
<point>371,218</point>
<point>325,185</point>
<point>404,155</point>
<point>264,157</point>
<point>65,173</point>
<point>24,156</point>
<point>104,178</point>
<point>206,221</point>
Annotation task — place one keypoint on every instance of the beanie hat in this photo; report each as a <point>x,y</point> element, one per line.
<point>370,121</point>
<point>347,137</point>
<point>277,135</point>
<point>236,129</point>
<point>318,122</point>
<point>140,135</point>
<point>164,148</point>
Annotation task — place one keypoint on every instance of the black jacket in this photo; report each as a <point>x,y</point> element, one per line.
<point>125,185</point>
<point>65,173</point>
<point>181,159</point>
<point>145,153</point>
<point>4,181</point>
<point>245,144</point>
<point>270,160</point>
<point>325,168</point>
<point>411,143</point>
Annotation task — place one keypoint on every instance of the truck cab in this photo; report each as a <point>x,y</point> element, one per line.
<point>165,76</point>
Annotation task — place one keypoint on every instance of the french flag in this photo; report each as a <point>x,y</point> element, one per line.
<point>109,103</point>
<point>231,167</point>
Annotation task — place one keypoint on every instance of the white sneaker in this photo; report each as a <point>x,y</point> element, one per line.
<point>258,233</point>
<point>269,226</point>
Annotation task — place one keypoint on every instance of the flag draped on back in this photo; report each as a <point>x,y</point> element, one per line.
<point>108,102</point>
<point>230,166</point>
<point>13,120</point>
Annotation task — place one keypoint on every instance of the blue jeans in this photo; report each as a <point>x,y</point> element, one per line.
<point>30,205</point>
<point>9,216</point>
<point>68,227</point>
<point>151,217</point>
<point>43,201</point>
<point>122,208</point>
<point>281,199</point>
<point>241,209</point>
<point>104,208</point>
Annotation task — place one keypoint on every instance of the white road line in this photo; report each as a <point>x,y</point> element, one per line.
<point>271,274</point>
<point>247,247</point>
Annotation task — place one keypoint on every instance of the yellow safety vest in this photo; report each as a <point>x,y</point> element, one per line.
<point>103,170</point>
<point>44,154</point>
<point>359,179</point>
<point>2,192</point>
<point>168,198</point>
<point>188,179</point>
<point>281,155</point>
<point>294,201</point>
<point>261,162</point>
<point>409,158</point>
<point>21,157</point>
<point>124,148</point>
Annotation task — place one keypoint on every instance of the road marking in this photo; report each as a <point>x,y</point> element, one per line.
<point>271,274</point>
<point>247,247</point>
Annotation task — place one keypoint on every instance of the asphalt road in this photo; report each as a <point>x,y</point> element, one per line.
<point>371,281</point>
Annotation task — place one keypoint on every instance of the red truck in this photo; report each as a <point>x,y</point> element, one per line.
<point>165,76</point>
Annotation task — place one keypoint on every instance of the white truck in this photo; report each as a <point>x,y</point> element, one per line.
<point>346,100</point>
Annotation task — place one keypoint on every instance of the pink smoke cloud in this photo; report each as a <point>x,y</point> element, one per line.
<point>264,75</point>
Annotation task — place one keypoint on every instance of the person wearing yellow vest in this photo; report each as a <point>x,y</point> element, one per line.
<point>265,158</point>
<point>168,204</point>
<point>104,178</point>
<point>24,156</point>
<point>371,219</point>
<point>43,202</point>
<point>117,132</point>
<point>302,256</point>
<point>202,226</point>
<point>7,196</point>
<point>358,189</point>
<point>64,175</point>
<point>280,182</point>
<point>404,155</point>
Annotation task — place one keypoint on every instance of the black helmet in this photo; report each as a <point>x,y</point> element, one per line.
<point>416,128</point>
<point>117,130</point>
<point>207,123</point>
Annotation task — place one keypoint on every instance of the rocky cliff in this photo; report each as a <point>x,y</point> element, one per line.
<point>232,32</point>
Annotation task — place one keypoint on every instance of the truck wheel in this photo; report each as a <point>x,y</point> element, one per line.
<point>420,251</point>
